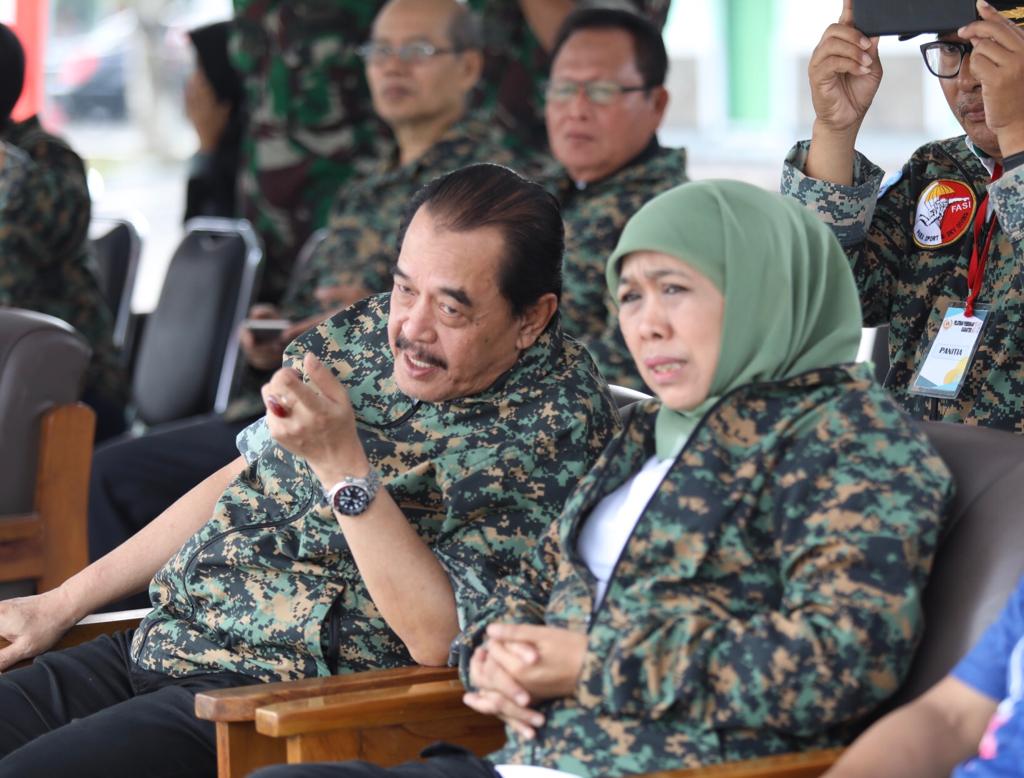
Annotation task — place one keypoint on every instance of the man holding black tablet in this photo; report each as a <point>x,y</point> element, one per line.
<point>935,249</point>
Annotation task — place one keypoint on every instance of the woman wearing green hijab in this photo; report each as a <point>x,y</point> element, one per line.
<point>741,572</point>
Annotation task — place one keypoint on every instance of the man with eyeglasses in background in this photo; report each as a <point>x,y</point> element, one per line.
<point>935,249</point>
<point>604,103</point>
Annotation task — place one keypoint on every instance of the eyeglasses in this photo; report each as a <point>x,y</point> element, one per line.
<point>597,92</point>
<point>944,58</point>
<point>411,53</point>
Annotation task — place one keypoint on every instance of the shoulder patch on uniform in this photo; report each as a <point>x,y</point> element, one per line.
<point>890,182</point>
<point>945,209</point>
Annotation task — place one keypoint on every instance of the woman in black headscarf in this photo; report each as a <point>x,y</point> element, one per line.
<point>214,105</point>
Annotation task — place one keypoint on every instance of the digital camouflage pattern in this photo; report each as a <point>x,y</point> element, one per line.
<point>480,478</point>
<point>363,232</point>
<point>768,598</point>
<point>310,117</point>
<point>594,216</point>
<point>45,261</point>
<point>910,287</point>
<point>517,66</point>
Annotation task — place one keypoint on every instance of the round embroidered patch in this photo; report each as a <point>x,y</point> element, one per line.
<point>944,212</point>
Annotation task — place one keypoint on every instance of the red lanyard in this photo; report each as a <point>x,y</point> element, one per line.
<point>976,270</point>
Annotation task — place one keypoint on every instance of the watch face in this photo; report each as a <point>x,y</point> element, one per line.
<point>351,500</point>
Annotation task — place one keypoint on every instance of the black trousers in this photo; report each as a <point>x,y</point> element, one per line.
<point>88,711</point>
<point>443,761</point>
<point>135,479</point>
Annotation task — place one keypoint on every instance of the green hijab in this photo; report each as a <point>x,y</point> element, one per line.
<point>790,300</point>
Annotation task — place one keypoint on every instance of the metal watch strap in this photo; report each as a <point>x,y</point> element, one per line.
<point>370,484</point>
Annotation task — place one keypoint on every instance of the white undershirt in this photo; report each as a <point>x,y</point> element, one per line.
<point>602,539</point>
<point>610,524</point>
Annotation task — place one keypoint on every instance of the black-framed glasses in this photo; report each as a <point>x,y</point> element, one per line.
<point>597,92</point>
<point>412,53</point>
<point>945,58</point>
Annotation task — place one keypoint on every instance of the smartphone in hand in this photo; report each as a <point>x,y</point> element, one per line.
<point>907,18</point>
<point>265,330</point>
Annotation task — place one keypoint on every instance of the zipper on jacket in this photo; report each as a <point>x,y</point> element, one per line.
<point>333,654</point>
<point>186,569</point>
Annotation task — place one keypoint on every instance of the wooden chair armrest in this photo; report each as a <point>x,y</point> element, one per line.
<point>808,764</point>
<point>404,703</point>
<point>241,703</point>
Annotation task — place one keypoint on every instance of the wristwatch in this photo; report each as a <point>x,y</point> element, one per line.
<point>351,496</point>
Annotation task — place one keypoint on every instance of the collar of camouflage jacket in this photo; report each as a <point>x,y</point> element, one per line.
<point>471,129</point>
<point>649,165</point>
<point>15,132</point>
<point>637,442</point>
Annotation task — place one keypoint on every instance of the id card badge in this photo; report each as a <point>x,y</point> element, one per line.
<point>945,368</point>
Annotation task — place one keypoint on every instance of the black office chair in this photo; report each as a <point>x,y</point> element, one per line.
<point>187,358</point>
<point>116,247</point>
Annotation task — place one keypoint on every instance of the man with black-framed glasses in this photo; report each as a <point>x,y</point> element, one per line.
<point>936,249</point>
<point>604,102</point>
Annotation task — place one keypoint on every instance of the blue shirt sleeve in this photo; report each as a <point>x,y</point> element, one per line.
<point>985,666</point>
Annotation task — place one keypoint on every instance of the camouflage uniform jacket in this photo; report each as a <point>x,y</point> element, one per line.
<point>268,588</point>
<point>310,117</point>
<point>363,231</point>
<point>769,596</point>
<point>45,262</point>
<point>594,217</point>
<point>910,287</point>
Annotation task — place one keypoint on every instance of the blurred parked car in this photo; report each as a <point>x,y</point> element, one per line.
<point>86,74</point>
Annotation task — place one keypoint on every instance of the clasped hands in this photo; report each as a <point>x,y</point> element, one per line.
<point>315,420</point>
<point>520,665</point>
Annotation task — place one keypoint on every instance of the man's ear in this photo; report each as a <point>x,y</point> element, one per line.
<point>471,68</point>
<point>535,319</point>
<point>659,95</point>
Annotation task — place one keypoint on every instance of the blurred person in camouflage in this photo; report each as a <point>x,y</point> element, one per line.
<point>416,446</point>
<point>45,261</point>
<point>936,248</point>
<point>311,120</point>
<point>423,60</point>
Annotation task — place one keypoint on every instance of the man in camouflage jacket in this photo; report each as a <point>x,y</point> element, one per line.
<point>910,239</point>
<point>45,262</point>
<point>459,390</point>
<point>611,162</point>
<point>423,101</point>
<point>791,613</point>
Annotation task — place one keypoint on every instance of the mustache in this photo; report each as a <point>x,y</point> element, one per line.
<point>402,343</point>
<point>964,108</point>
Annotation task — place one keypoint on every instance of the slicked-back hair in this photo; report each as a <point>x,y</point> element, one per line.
<point>648,47</point>
<point>527,215</point>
